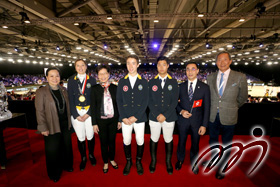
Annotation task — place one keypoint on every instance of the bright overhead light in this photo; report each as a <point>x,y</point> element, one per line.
<point>86,50</point>
<point>246,63</point>
<point>269,63</point>
<point>5,27</point>
<point>257,51</point>
<point>241,20</point>
<point>78,47</point>
<point>221,49</point>
<point>235,63</point>
<point>200,15</point>
<point>257,63</point>
<point>109,17</point>
<point>76,23</point>
<point>156,21</point>
<point>275,62</point>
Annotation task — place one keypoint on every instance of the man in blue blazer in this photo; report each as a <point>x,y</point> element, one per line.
<point>194,110</point>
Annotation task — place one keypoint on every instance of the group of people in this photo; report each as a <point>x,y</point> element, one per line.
<point>104,108</point>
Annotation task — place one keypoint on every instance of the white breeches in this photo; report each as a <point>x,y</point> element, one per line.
<point>167,130</point>
<point>139,129</point>
<point>83,129</point>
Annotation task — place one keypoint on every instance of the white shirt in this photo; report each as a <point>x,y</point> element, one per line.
<point>81,77</point>
<point>162,82</point>
<point>193,84</point>
<point>132,80</point>
<point>225,79</point>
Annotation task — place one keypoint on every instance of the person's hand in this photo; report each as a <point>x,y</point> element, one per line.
<point>45,133</point>
<point>95,129</point>
<point>186,114</point>
<point>161,118</point>
<point>80,118</point>
<point>126,121</point>
<point>202,130</point>
<point>85,117</point>
<point>119,125</point>
<point>132,119</point>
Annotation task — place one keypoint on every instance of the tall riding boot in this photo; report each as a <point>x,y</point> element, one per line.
<point>140,150</point>
<point>153,151</point>
<point>91,157</point>
<point>127,152</point>
<point>169,150</point>
<point>82,149</point>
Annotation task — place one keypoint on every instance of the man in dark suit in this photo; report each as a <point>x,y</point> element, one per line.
<point>194,109</point>
<point>163,99</point>
<point>229,91</point>
<point>132,101</point>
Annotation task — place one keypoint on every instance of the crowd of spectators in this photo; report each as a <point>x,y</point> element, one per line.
<point>20,80</point>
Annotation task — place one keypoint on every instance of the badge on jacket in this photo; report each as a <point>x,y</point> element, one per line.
<point>170,87</point>
<point>155,88</point>
<point>140,87</point>
<point>125,88</point>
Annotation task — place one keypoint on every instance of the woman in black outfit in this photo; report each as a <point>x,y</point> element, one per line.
<point>105,115</point>
<point>53,118</point>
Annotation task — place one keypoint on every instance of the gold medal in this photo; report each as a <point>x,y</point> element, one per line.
<point>82,98</point>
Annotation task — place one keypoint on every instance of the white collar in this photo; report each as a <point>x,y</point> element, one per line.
<point>226,73</point>
<point>194,81</point>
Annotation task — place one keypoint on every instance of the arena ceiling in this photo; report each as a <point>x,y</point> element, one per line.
<point>106,31</point>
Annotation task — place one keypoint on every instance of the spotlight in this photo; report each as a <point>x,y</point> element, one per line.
<point>76,23</point>
<point>24,17</point>
<point>156,21</point>
<point>261,45</point>
<point>105,46</point>
<point>5,27</point>
<point>109,17</point>
<point>208,46</point>
<point>155,45</point>
<point>57,48</point>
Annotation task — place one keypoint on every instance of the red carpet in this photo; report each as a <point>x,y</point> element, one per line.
<point>26,165</point>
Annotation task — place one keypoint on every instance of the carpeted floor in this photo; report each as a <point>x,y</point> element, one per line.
<point>26,165</point>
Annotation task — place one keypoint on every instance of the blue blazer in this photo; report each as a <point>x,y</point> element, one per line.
<point>163,100</point>
<point>74,93</point>
<point>200,115</point>
<point>133,102</point>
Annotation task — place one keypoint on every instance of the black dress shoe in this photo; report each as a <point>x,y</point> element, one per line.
<point>127,167</point>
<point>178,165</point>
<point>220,175</point>
<point>139,167</point>
<point>196,171</point>
<point>55,179</point>
<point>92,159</point>
<point>114,166</point>
<point>83,163</point>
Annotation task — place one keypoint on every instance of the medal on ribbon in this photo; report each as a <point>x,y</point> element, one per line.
<point>82,98</point>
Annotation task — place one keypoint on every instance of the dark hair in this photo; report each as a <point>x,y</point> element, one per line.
<point>53,68</point>
<point>133,56</point>
<point>163,58</point>
<point>80,60</point>
<point>192,63</point>
<point>223,52</point>
<point>278,95</point>
<point>104,66</point>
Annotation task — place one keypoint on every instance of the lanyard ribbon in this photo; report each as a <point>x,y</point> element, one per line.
<point>84,86</point>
